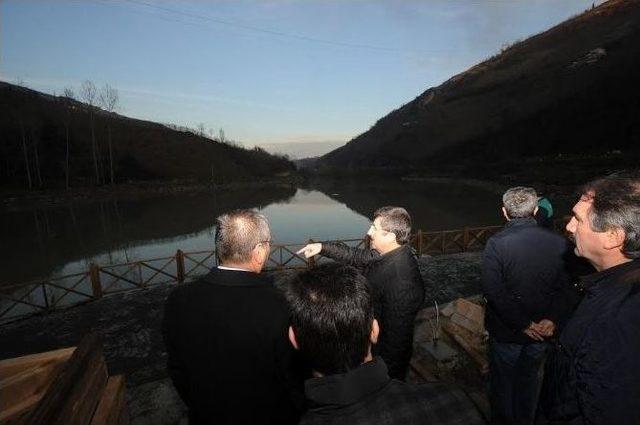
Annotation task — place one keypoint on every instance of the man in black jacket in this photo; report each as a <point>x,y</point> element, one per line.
<point>226,334</point>
<point>392,271</point>
<point>332,325</point>
<point>597,366</point>
<point>523,281</point>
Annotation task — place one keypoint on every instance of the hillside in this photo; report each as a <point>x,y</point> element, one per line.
<point>560,100</point>
<point>33,131</point>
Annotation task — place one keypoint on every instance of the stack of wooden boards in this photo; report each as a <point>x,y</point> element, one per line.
<point>66,386</point>
<point>451,347</point>
<point>466,328</point>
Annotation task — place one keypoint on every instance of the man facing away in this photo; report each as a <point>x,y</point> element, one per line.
<point>523,282</point>
<point>333,326</point>
<point>226,334</point>
<point>599,356</point>
<point>392,271</point>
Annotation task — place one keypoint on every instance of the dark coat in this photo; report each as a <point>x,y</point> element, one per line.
<point>367,396</point>
<point>524,279</point>
<point>398,294</point>
<point>596,368</point>
<point>228,352</point>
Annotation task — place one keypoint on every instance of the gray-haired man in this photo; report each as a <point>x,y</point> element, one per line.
<point>523,281</point>
<point>599,372</point>
<point>226,334</point>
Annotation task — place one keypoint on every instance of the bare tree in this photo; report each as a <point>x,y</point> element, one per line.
<point>221,136</point>
<point>35,140</point>
<point>26,154</point>
<point>88,94</point>
<point>109,100</point>
<point>201,130</point>
<point>69,95</point>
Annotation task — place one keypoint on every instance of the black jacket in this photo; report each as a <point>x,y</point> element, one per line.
<point>228,352</point>
<point>524,279</point>
<point>596,369</point>
<point>398,293</point>
<point>367,396</point>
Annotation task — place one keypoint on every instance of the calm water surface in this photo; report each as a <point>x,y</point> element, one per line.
<point>66,239</point>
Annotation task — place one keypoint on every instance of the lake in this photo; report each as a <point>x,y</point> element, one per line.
<point>60,240</point>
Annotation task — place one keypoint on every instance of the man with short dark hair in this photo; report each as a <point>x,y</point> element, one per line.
<point>392,271</point>
<point>598,366</point>
<point>226,334</point>
<point>523,281</point>
<point>333,326</point>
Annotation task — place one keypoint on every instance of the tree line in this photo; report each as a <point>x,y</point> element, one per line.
<point>77,139</point>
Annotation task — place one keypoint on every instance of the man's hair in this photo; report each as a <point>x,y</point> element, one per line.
<point>616,204</point>
<point>395,220</point>
<point>238,232</point>
<point>331,315</point>
<point>520,202</point>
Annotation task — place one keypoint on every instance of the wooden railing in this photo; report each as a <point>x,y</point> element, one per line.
<point>20,300</point>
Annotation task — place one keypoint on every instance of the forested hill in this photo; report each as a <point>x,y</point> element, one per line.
<point>564,97</point>
<point>37,128</point>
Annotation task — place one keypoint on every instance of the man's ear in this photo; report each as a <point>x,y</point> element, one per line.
<point>375,331</point>
<point>292,338</point>
<point>614,238</point>
<point>259,256</point>
<point>504,213</point>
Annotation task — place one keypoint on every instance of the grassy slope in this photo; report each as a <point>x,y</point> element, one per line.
<point>552,93</point>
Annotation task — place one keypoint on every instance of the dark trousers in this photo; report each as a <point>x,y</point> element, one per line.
<point>516,373</point>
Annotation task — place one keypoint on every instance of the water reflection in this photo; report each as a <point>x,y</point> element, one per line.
<point>42,241</point>
<point>66,239</point>
<point>436,204</point>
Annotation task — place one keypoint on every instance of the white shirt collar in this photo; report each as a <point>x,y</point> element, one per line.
<point>233,269</point>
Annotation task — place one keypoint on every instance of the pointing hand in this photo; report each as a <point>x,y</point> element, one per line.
<point>311,249</point>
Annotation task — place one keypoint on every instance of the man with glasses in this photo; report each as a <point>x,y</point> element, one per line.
<point>226,334</point>
<point>392,271</point>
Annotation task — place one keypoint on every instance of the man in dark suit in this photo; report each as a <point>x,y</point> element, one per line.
<point>226,334</point>
<point>392,271</point>
<point>524,282</point>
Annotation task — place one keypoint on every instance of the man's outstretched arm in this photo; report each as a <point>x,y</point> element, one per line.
<point>340,252</point>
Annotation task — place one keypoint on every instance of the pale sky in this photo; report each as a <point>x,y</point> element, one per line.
<point>265,71</point>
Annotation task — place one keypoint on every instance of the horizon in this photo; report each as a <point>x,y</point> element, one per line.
<point>231,64</point>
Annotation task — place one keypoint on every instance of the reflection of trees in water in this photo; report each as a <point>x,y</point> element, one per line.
<point>440,205</point>
<point>37,242</point>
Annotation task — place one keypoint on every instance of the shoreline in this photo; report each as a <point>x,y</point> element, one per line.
<point>17,200</point>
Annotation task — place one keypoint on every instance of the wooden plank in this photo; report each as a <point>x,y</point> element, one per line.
<point>473,352</point>
<point>424,373</point>
<point>470,310</point>
<point>15,365</point>
<point>15,413</point>
<point>76,389</point>
<point>112,409</point>
<point>26,385</point>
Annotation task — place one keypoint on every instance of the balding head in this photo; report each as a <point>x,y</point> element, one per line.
<point>238,232</point>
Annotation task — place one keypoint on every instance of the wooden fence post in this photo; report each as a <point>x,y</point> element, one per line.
<point>180,266</point>
<point>94,275</point>
<point>465,239</point>
<point>44,295</point>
